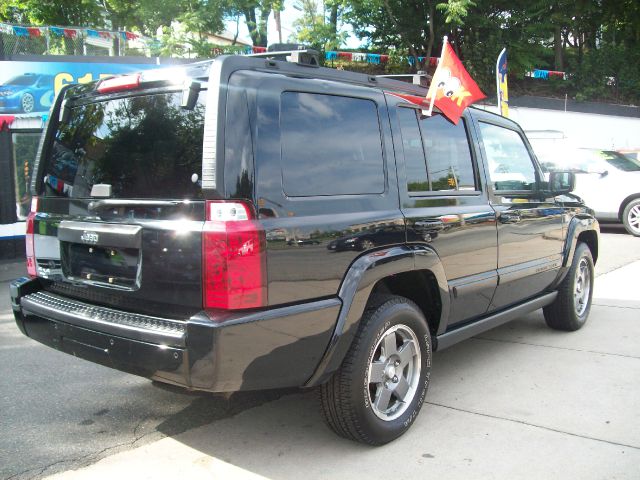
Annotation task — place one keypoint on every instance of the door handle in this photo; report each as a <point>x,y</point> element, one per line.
<point>509,217</point>
<point>429,226</point>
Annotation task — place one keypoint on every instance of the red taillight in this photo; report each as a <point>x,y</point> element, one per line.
<point>29,238</point>
<point>233,256</point>
<point>117,84</point>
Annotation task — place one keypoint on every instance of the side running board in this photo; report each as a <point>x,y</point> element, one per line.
<point>467,331</point>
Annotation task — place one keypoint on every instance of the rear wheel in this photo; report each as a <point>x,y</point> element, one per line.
<point>631,217</point>
<point>570,309</point>
<point>366,244</point>
<point>378,391</point>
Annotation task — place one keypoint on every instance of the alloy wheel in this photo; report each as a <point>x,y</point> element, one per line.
<point>394,372</point>
<point>582,287</point>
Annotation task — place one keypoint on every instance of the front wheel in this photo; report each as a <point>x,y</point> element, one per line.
<point>378,391</point>
<point>27,103</point>
<point>570,309</point>
<point>631,217</point>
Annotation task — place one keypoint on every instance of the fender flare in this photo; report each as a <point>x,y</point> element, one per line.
<point>578,224</point>
<point>358,283</point>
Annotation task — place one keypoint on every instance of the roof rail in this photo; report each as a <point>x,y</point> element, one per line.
<point>306,57</point>
<point>421,78</point>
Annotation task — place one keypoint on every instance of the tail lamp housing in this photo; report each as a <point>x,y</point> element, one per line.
<point>30,239</point>
<point>234,257</point>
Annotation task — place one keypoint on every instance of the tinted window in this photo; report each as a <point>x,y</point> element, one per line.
<point>415,166</point>
<point>143,146</point>
<point>508,160</point>
<point>330,145</point>
<point>24,80</point>
<point>238,146</point>
<point>24,154</point>
<point>449,159</point>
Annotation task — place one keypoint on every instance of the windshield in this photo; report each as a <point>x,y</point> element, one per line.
<point>145,146</point>
<point>587,161</point>
<point>21,80</point>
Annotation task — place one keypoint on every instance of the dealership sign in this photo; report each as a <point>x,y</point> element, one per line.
<point>28,88</point>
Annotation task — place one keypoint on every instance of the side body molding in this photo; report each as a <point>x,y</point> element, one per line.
<point>356,288</point>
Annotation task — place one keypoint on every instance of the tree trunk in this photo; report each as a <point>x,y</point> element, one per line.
<point>432,35</point>
<point>411,46</point>
<point>262,27</point>
<point>333,18</point>
<point>557,48</point>
<point>250,19</point>
<point>276,16</point>
<point>235,35</point>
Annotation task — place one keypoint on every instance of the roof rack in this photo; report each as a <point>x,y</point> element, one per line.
<point>308,57</point>
<point>421,78</point>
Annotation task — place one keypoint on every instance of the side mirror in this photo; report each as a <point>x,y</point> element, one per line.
<point>562,182</point>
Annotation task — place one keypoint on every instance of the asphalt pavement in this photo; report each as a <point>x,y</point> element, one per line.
<point>519,401</point>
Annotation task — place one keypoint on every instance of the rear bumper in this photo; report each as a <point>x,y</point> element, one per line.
<point>212,351</point>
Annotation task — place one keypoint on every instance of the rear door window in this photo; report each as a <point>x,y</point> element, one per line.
<point>331,145</point>
<point>449,161</point>
<point>145,146</point>
<point>449,164</point>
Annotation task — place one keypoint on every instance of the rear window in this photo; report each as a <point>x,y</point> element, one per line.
<point>331,145</point>
<point>143,146</point>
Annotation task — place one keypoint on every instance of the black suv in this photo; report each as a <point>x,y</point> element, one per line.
<point>185,227</point>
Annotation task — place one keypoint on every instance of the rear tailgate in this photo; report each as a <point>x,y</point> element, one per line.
<point>120,214</point>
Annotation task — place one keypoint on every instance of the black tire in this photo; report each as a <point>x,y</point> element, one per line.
<point>570,309</point>
<point>631,217</point>
<point>346,399</point>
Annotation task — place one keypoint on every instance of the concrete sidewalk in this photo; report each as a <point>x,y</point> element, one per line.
<point>520,401</point>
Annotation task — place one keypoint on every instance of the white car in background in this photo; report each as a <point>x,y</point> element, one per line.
<point>607,181</point>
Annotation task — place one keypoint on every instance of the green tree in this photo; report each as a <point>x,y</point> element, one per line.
<point>52,12</point>
<point>256,14</point>
<point>415,26</point>
<point>318,25</point>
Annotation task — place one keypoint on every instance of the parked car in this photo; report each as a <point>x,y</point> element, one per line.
<point>633,154</point>
<point>26,93</point>
<point>368,238</point>
<point>607,181</point>
<point>302,241</point>
<point>179,168</point>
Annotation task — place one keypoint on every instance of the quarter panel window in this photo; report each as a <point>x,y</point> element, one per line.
<point>508,160</point>
<point>24,154</point>
<point>331,145</point>
<point>415,166</point>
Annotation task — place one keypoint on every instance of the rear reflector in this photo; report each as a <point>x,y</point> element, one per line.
<point>117,84</point>
<point>234,257</point>
<point>29,238</point>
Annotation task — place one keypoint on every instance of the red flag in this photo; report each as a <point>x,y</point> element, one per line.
<point>452,89</point>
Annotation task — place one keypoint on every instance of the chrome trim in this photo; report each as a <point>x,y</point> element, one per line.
<point>210,140</point>
<point>107,234</point>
